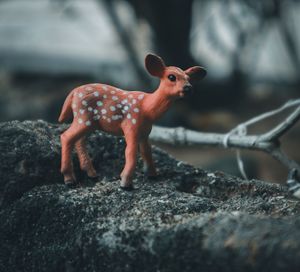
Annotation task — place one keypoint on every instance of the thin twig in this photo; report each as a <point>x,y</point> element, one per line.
<point>283,127</point>
<point>268,142</point>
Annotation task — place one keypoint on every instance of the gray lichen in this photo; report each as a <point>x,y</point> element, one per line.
<point>185,220</point>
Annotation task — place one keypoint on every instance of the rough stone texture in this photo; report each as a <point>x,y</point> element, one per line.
<point>185,220</point>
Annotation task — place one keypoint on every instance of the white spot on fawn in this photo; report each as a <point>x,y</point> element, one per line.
<point>74,106</point>
<point>96,94</point>
<point>103,111</point>
<point>141,96</point>
<point>112,92</point>
<point>136,110</point>
<point>133,101</point>
<point>89,88</point>
<point>108,120</point>
<point>104,87</point>
<point>112,108</point>
<point>95,111</point>
<point>128,115</point>
<point>105,96</point>
<point>119,106</point>
<point>133,121</point>
<point>125,101</point>
<point>80,95</point>
<point>99,103</point>
<point>80,121</point>
<point>90,109</point>
<point>126,108</point>
<point>88,123</point>
<point>114,98</point>
<point>75,113</point>
<point>96,117</point>
<point>84,102</point>
<point>81,111</point>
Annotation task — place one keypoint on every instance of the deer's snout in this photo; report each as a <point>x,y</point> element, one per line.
<point>187,89</point>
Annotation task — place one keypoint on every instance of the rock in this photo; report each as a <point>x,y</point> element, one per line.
<point>185,220</point>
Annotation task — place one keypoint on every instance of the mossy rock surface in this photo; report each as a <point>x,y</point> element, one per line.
<point>185,220</point>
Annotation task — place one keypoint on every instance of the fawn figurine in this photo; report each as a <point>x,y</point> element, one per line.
<point>119,112</point>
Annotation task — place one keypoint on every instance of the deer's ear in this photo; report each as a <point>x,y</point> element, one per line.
<point>196,73</point>
<point>155,65</point>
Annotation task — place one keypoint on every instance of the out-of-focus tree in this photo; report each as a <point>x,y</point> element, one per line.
<point>171,22</point>
<point>249,22</point>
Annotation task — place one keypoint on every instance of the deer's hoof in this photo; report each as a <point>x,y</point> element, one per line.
<point>94,177</point>
<point>127,188</point>
<point>126,182</point>
<point>92,173</point>
<point>150,172</point>
<point>71,184</point>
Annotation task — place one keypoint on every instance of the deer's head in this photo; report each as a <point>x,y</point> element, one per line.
<point>174,81</point>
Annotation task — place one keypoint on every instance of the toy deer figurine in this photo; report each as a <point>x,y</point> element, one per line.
<point>119,112</point>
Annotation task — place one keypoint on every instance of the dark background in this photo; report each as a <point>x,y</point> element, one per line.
<point>250,48</point>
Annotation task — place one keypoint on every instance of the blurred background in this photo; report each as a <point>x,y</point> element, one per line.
<point>251,49</point>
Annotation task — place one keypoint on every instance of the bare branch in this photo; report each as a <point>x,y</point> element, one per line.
<point>283,127</point>
<point>267,142</point>
<point>280,156</point>
<point>182,136</point>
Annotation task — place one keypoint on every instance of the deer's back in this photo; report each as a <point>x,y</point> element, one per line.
<point>107,108</point>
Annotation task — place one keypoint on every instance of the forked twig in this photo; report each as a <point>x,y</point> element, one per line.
<point>268,142</point>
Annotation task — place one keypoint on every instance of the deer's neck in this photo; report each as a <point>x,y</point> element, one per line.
<point>156,104</point>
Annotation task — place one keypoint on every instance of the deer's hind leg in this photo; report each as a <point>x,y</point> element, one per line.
<point>84,158</point>
<point>68,140</point>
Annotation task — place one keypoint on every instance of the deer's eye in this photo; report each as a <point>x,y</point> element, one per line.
<point>171,77</point>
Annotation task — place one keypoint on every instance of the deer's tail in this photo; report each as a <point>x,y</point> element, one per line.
<point>66,112</point>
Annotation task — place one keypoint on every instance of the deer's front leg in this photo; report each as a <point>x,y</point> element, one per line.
<point>146,153</point>
<point>130,157</point>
